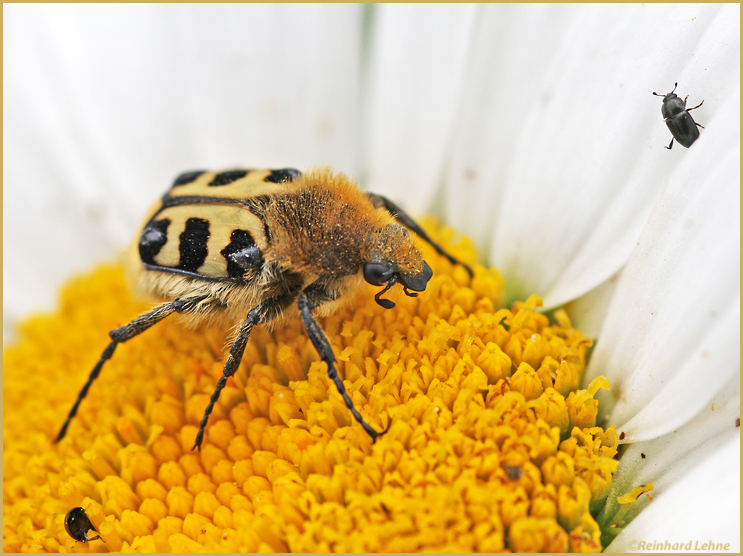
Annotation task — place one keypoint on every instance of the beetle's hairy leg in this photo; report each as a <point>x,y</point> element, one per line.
<point>127,332</point>
<point>312,297</point>
<point>402,217</point>
<point>266,311</point>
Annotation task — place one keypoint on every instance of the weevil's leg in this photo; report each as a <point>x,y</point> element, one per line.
<point>266,311</point>
<point>670,145</point>
<point>312,297</point>
<point>402,217</point>
<point>127,332</point>
<point>697,106</point>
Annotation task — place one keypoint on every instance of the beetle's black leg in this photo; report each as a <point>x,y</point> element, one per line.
<point>400,215</point>
<point>127,332</point>
<point>697,106</point>
<point>312,297</point>
<point>266,311</point>
<point>699,125</point>
<point>670,145</point>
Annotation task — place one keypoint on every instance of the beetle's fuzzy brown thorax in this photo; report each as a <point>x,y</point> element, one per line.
<point>327,226</point>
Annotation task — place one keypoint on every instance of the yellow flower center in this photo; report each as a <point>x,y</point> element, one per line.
<point>491,445</point>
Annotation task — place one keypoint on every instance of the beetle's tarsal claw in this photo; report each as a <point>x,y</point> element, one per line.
<point>199,440</point>
<point>377,435</point>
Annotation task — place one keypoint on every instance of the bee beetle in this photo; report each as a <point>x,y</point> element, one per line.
<point>679,121</point>
<point>77,523</point>
<point>249,245</point>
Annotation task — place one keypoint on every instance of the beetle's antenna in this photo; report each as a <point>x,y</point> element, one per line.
<point>674,89</point>
<point>386,303</point>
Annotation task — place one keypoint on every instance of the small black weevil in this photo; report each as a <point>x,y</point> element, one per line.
<point>679,121</point>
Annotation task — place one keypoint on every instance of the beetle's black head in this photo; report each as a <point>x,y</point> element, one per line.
<point>672,104</point>
<point>394,259</point>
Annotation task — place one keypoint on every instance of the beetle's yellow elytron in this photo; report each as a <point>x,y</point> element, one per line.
<point>253,242</point>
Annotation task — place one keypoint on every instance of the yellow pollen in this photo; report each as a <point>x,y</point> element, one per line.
<point>635,493</point>
<point>491,445</point>
<point>630,505</point>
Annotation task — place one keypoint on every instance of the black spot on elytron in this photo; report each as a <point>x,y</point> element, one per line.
<point>225,178</point>
<point>77,523</point>
<point>187,177</point>
<point>282,175</point>
<point>153,237</point>
<point>192,244</point>
<point>242,254</point>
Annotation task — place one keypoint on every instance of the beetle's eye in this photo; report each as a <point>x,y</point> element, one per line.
<point>377,273</point>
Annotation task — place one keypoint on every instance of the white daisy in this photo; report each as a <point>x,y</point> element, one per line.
<point>532,129</point>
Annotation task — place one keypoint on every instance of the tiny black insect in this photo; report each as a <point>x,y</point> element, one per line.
<point>513,472</point>
<point>679,121</point>
<point>78,524</point>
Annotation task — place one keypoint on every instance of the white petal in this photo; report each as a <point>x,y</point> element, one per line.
<point>587,313</point>
<point>671,338</point>
<point>559,157</point>
<point>701,507</point>
<point>417,62</point>
<point>513,49</point>
<point>664,460</point>
<point>105,104</point>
